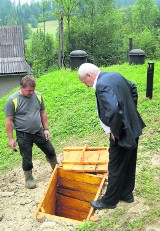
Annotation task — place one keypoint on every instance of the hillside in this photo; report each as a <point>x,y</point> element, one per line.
<point>51,27</point>
<point>121,3</point>
<point>73,122</point>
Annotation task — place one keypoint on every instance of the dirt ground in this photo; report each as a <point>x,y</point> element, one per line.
<point>18,204</point>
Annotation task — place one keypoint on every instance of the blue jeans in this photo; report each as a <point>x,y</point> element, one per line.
<point>25,143</point>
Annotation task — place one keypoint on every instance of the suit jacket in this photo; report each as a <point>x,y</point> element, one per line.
<point>116,102</point>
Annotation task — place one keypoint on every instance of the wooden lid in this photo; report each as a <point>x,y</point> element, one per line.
<point>85,159</point>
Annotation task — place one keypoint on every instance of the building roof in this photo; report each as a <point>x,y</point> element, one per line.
<point>12,57</point>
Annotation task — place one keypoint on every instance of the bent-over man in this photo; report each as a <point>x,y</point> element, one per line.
<point>116,105</point>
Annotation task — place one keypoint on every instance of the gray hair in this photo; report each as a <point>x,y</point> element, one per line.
<point>86,68</point>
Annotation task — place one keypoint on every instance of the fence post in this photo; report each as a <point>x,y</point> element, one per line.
<point>150,74</point>
<point>130,44</point>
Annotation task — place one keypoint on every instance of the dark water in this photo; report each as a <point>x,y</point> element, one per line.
<point>8,83</point>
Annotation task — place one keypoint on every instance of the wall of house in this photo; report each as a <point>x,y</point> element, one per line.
<point>8,83</point>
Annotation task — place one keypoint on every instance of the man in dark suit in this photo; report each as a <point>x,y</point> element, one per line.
<point>117,110</point>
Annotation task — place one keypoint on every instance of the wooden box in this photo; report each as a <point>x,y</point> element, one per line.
<point>68,195</point>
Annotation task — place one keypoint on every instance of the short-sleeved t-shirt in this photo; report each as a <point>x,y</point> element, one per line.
<point>26,117</point>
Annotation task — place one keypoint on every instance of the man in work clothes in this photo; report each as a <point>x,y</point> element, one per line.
<point>116,105</point>
<point>25,112</point>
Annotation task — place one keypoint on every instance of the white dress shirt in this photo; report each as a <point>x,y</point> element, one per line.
<point>105,128</point>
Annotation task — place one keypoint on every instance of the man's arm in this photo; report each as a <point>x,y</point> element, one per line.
<point>45,124</point>
<point>134,93</point>
<point>112,113</point>
<point>9,130</point>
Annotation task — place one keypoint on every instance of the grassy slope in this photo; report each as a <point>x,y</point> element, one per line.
<point>50,26</point>
<point>73,121</point>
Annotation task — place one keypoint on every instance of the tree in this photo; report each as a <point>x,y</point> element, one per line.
<point>40,55</point>
<point>43,16</point>
<point>69,8</point>
<point>144,14</point>
<point>33,21</point>
<point>95,28</point>
<point>6,12</point>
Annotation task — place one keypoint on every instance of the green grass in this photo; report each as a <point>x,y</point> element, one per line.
<point>51,27</point>
<point>73,122</point>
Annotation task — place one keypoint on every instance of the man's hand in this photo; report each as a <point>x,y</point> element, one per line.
<point>47,134</point>
<point>113,137</point>
<point>12,144</point>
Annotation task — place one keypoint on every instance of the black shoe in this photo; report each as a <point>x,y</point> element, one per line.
<point>127,200</point>
<point>101,205</point>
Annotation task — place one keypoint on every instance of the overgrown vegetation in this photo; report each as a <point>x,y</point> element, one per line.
<point>40,52</point>
<point>103,30</point>
<point>73,122</point>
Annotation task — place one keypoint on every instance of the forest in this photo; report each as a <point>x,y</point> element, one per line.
<point>101,28</point>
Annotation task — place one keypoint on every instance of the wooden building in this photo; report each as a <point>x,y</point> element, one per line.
<point>13,65</point>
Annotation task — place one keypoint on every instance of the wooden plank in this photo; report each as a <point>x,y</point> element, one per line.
<point>85,168</point>
<point>91,212</point>
<point>67,212</point>
<point>82,152</point>
<point>73,167</point>
<point>90,168</point>
<point>42,210</point>
<point>73,148</point>
<point>102,168</point>
<point>75,204</point>
<point>91,162</point>
<point>49,203</point>
<point>49,189</point>
<point>84,177</point>
<point>96,148</point>
<point>83,196</point>
<point>71,155</point>
<point>104,156</point>
<point>85,187</point>
<point>81,148</point>
<point>90,157</point>
<point>54,217</point>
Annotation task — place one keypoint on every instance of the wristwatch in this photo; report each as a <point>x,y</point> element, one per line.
<point>44,129</point>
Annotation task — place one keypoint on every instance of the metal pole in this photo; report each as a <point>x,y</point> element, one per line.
<point>130,44</point>
<point>150,74</point>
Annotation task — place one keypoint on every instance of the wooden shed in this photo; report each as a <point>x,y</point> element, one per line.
<point>13,65</point>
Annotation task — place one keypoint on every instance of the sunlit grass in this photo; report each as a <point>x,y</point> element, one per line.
<point>51,27</point>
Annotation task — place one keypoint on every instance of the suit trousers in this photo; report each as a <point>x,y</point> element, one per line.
<point>121,177</point>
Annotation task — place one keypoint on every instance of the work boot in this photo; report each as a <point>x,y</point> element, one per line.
<point>52,162</point>
<point>29,180</point>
